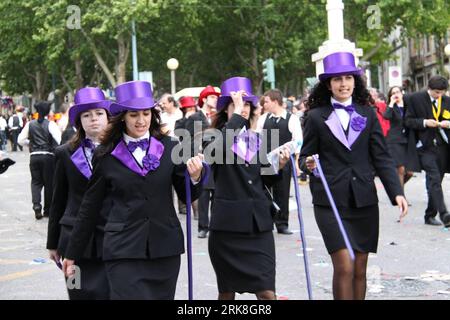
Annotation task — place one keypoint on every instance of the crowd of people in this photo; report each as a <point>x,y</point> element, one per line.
<point>111,179</point>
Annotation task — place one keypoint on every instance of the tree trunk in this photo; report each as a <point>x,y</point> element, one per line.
<point>78,73</point>
<point>41,78</point>
<point>123,47</point>
<point>100,60</point>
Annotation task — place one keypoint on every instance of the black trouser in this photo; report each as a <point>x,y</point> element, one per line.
<point>14,136</point>
<point>281,191</point>
<point>203,209</point>
<point>434,162</point>
<point>42,167</point>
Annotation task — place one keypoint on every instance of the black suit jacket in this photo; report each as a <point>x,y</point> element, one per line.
<point>142,222</point>
<point>240,204</point>
<point>420,108</point>
<point>69,188</point>
<point>398,133</point>
<point>349,170</point>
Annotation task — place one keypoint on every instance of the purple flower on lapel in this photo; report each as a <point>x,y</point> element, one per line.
<point>150,162</point>
<point>358,123</point>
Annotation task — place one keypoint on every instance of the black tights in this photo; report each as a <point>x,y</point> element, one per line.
<point>261,295</point>
<point>349,278</point>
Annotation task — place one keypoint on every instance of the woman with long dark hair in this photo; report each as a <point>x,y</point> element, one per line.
<point>135,173</point>
<point>241,244</point>
<point>343,130</point>
<point>397,137</point>
<point>74,161</point>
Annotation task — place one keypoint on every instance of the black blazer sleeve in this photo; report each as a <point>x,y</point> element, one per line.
<point>382,161</point>
<point>88,214</point>
<point>389,113</point>
<point>310,143</point>
<point>180,187</point>
<point>413,119</point>
<point>59,200</point>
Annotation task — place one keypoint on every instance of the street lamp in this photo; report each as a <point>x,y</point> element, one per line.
<point>172,64</point>
<point>447,50</point>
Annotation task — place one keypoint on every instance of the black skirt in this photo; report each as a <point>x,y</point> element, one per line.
<point>93,281</point>
<point>360,224</point>
<point>243,262</point>
<point>399,152</point>
<point>137,279</point>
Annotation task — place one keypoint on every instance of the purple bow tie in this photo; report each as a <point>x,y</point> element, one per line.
<point>133,145</point>
<point>350,108</point>
<point>87,143</point>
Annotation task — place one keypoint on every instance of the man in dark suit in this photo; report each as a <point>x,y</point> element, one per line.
<point>429,115</point>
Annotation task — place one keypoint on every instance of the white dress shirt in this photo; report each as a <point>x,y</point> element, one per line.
<point>293,125</point>
<point>52,128</point>
<point>344,116</point>
<point>138,154</point>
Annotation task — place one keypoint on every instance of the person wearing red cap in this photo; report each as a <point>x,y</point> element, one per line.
<point>207,101</point>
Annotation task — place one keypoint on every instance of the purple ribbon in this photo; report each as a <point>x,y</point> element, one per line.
<point>87,143</point>
<point>251,140</point>
<point>187,181</point>
<point>358,123</point>
<point>133,145</point>
<point>333,206</point>
<point>302,229</point>
<point>150,162</point>
<point>350,108</point>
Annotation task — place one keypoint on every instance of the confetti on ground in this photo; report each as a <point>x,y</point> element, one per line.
<point>200,254</point>
<point>38,261</point>
<point>282,298</point>
<point>321,264</point>
<point>299,254</point>
<point>443,292</point>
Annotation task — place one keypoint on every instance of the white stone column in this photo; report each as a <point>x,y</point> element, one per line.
<point>336,41</point>
<point>335,9</point>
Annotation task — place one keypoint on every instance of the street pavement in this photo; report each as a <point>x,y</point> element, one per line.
<point>412,260</point>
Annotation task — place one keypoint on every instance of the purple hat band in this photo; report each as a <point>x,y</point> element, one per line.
<point>133,95</point>
<point>235,84</point>
<point>87,99</point>
<point>339,63</point>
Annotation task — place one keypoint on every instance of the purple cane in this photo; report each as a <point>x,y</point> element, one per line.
<point>302,229</point>
<point>187,179</point>
<point>333,206</point>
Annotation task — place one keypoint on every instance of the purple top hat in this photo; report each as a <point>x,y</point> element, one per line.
<point>236,84</point>
<point>337,64</point>
<point>86,99</point>
<point>134,96</point>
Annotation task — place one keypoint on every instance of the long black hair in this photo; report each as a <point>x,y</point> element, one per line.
<point>321,94</point>
<point>43,109</point>
<point>221,118</point>
<point>116,128</point>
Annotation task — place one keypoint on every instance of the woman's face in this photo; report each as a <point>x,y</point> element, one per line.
<point>137,123</point>
<point>245,111</point>
<point>342,87</point>
<point>94,122</point>
<point>396,94</point>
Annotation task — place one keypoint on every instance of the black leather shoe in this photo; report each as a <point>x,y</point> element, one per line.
<point>284,231</point>
<point>37,212</point>
<point>38,215</point>
<point>432,221</point>
<point>202,234</point>
<point>445,218</point>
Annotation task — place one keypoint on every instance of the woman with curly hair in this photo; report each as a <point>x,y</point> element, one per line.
<point>343,130</point>
<point>135,173</point>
